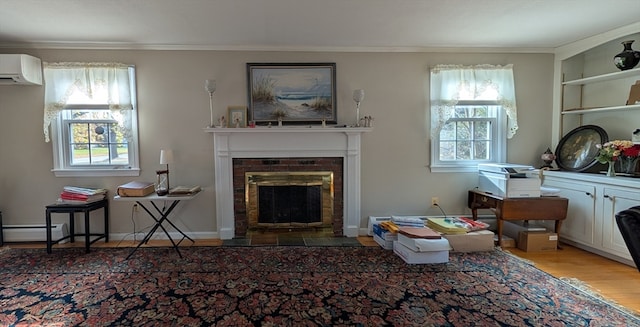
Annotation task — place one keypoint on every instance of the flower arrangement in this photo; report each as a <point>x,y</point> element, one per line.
<point>619,150</point>
<point>612,150</point>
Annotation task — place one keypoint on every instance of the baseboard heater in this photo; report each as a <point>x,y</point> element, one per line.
<point>33,233</point>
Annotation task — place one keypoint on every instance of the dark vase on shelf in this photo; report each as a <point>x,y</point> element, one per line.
<point>628,58</point>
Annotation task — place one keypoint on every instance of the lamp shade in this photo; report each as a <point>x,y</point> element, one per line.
<point>210,85</point>
<point>166,157</point>
<point>358,95</point>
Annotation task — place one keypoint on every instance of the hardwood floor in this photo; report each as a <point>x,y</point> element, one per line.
<point>615,281</point>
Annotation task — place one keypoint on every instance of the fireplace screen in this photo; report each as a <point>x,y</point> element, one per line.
<point>289,199</point>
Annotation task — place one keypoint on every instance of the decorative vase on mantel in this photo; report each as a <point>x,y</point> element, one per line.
<point>628,58</point>
<point>611,170</point>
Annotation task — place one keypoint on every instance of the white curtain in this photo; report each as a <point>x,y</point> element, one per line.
<point>99,82</point>
<point>452,83</point>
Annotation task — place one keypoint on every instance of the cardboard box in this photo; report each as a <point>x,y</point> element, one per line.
<point>477,241</point>
<point>513,228</point>
<point>412,257</point>
<point>507,242</point>
<point>537,241</point>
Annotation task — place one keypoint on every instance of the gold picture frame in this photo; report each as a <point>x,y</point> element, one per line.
<point>237,117</point>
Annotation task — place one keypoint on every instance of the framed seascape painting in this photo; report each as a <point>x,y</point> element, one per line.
<point>297,93</point>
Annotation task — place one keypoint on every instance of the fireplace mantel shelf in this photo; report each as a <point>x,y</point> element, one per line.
<point>289,129</point>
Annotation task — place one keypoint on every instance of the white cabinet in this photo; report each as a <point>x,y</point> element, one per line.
<point>594,201</point>
<point>581,216</point>
<point>615,200</point>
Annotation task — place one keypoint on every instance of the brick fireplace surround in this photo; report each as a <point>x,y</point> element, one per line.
<point>304,146</point>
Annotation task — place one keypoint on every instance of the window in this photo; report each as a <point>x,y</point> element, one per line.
<point>469,111</point>
<point>92,113</point>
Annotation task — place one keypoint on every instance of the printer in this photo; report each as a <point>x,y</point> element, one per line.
<point>509,180</point>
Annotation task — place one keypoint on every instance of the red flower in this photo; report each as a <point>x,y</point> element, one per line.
<point>633,151</point>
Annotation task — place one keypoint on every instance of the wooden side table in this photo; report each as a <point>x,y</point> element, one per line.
<point>71,209</point>
<point>538,208</point>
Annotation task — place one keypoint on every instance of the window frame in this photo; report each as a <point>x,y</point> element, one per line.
<point>498,144</point>
<point>61,142</point>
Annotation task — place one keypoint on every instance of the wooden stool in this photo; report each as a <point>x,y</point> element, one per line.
<point>71,209</point>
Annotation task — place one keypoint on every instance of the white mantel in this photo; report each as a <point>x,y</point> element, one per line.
<point>284,142</point>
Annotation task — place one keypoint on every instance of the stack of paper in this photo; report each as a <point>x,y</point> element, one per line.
<point>407,221</point>
<point>419,232</point>
<point>74,194</point>
<point>447,225</point>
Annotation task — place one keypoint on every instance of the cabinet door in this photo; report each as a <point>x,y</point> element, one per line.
<point>580,222</point>
<point>616,200</point>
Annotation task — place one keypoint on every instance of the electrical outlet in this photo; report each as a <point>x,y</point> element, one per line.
<point>435,201</point>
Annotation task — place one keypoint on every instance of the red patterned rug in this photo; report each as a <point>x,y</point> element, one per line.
<point>287,286</point>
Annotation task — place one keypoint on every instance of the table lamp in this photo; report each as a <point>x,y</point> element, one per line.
<point>162,184</point>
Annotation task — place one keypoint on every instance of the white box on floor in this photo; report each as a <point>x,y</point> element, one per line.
<point>412,257</point>
<point>387,245</point>
<point>423,244</point>
<point>477,241</point>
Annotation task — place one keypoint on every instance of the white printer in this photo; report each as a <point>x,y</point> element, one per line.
<point>509,180</point>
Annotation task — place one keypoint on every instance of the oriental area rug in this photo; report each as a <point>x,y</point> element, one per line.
<point>287,286</point>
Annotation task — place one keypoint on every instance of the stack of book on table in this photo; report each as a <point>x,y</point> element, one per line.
<point>79,195</point>
<point>417,245</point>
<point>184,190</point>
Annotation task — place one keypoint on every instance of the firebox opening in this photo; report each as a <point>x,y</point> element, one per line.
<point>289,199</point>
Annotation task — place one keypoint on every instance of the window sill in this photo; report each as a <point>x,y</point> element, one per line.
<point>95,172</point>
<point>454,169</point>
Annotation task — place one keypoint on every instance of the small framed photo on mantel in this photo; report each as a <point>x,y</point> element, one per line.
<point>237,117</point>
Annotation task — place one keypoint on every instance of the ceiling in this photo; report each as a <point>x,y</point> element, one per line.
<point>352,25</point>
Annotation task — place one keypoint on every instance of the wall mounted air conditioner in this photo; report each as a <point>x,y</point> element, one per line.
<point>20,69</point>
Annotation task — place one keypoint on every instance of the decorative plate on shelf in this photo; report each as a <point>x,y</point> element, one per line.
<point>577,150</point>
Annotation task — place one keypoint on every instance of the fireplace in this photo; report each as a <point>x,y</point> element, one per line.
<point>289,199</point>
<point>250,175</point>
<point>286,149</point>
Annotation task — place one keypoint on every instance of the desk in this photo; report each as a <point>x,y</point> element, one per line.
<point>160,216</point>
<point>540,208</point>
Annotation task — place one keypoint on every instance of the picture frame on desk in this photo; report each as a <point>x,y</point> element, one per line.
<point>237,116</point>
<point>294,93</point>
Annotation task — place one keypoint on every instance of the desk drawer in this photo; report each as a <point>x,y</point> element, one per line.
<point>483,201</point>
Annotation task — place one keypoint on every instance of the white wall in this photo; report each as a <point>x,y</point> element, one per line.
<point>174,108</point>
